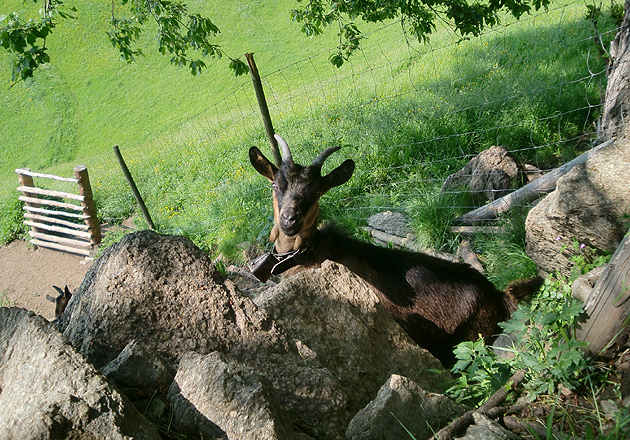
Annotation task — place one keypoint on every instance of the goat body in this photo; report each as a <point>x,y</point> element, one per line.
<point>437,302</point>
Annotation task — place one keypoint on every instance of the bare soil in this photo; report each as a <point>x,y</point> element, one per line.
<point>27,275</point>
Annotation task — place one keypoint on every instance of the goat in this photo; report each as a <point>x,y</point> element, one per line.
<point>60,301</point>
<point>437,302</point>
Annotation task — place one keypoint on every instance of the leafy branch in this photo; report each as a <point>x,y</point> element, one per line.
<point>418,17</point>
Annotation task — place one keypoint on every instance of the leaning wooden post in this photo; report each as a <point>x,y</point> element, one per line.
<point>26,180</point>
<point>264,110</point>
<point>85,189</point>
<point>607,306</point>
<point>134,188</point>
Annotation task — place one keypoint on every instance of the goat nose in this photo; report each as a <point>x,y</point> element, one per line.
<point>289,218</point>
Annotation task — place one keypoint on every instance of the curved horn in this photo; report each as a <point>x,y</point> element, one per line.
<point>319,160</point>
<point>286,153</point>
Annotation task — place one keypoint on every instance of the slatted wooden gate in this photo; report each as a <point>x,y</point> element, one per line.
<point>56,223</point>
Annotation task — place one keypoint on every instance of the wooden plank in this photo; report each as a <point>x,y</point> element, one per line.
<point>528,193</point>
<point>58,229</point>
<point>56,221</point>
<point>607,306</point>
<point>28,172</point>
<point>52,212</point>
<point>60,247</point>
<point>60,240</point>
<point>472,230</point>
<point>38,201</point>
<point>48,192</point>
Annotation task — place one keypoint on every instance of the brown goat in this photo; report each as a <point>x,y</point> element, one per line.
<point>439,303</point>
<point>60,301</point>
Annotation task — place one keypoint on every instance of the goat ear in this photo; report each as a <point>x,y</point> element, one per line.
<point>339,175</point>
<point>262,164</point>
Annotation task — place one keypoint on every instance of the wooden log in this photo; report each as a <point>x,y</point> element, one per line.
<point>57,213</point>
<point>48,192</point>
<point>528,193</point>
<point>56,221</point>
<point>607,306</point>
<point>473,230</point>
<point>36,201</point>
<point>60,247</point>
<point>134,188</point>
<point>60,240</point>
<point>59,229</point>
<point>26,181</point>
<point>465,252</point>
<point>264,109</point>
<point>28,172</point>
<point>85,190</point>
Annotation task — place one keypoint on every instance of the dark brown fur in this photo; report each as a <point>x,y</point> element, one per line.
<point>60,301</point>
<point>437,302</point>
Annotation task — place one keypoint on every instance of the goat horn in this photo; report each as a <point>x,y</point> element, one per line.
<point>319,160</point>
<point>286,153</point>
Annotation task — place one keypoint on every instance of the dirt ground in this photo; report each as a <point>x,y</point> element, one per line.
<point>27,275</point>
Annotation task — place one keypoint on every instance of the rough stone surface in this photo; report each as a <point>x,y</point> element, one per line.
<point>48,391</point>
<point>164,292</point>
<point>590,205</point>
<point>486,429</point>
<point>234,397</point>
<point>136,367</point>
<point>393,223</point>
<point>491,174</point>
<point>402,402</point>
<point>340,322</point>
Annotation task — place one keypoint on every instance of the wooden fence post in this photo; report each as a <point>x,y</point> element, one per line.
<point>607,306</point>
<point>264,110</point>
<point>85,189</point>
<point>26,180</point>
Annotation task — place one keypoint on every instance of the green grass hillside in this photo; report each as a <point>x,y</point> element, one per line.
<point>409,114</point>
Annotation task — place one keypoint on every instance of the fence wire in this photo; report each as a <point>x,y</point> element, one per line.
<point>408,118</point>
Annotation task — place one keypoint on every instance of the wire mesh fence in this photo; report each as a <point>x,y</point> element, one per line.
<point>408,117</point>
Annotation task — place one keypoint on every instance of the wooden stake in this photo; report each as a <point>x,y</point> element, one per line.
<point>85,189</point>
<point>134,188</point>
<point>264,110</point>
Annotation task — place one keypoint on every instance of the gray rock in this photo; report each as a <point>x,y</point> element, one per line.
<point>48,391</point>
<point>136,367</point>
<point>402,407</point>
<point>164,292</point>
<point>491,174</point>
<point>341,326</point>
<point>212,392</point>
<point>591,204</point>
<point>486,429</point>
<point>393,223</point>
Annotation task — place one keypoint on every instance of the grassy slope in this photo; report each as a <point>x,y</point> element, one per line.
<point>88,101</point>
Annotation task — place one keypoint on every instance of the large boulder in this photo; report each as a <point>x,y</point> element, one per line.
<point>400,408</point>
<point>49,391</point>
<point>590,206</point>
<point>491,174</point>
<point>164,293</point>
<point>340,324</point>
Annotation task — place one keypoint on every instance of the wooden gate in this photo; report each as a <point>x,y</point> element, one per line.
<point>56,223</point>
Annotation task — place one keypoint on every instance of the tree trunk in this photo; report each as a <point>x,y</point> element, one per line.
<point>616,112</point>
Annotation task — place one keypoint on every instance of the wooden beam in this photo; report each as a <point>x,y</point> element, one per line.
<point>48,192</point>
<point>28,172</point>
<point>85,189</point>
<point>59,229</point>
<point>56,221</point>
<point>472,230</point>
<point>37,201</point>
<point>528,193</point>
<point>607,306</point>
<point>60,247</point>
<point>58,213</point>
<point>60,240</point>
